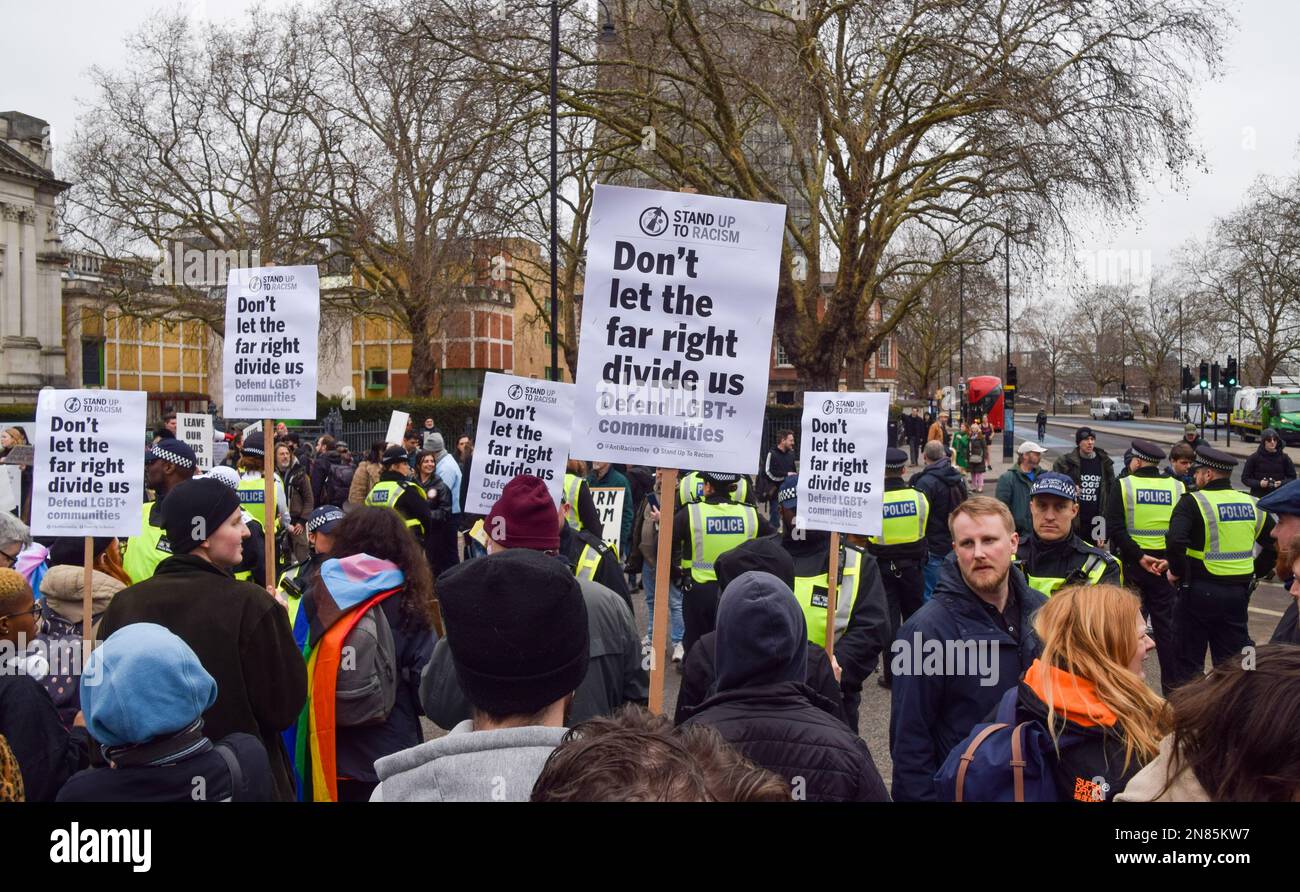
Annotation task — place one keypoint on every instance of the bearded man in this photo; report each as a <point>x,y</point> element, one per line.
<point>956,656</point>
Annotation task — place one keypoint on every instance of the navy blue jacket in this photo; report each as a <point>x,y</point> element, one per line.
<point>944,486</point>
<point>934,710</point>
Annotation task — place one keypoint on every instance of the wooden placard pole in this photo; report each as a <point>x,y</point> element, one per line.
<point>87,602</point>
<point>269,515</point>
<point>832,577</point>
<point>663,583</point>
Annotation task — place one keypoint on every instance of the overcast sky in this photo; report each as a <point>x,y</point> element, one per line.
<point>1248,121</point>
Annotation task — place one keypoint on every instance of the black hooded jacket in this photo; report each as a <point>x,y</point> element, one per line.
<point>1265,465</point>
<point>765,710</point>
<point>944,487</point>
<point>698,673</point>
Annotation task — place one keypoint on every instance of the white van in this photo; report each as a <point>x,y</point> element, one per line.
<point>1103,408</point>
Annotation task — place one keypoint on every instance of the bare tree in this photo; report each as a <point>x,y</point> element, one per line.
<point>1249,270</point>
<point>1051,333</point>
<point>417,138</point>
<point>1153,325</point>
<point>873,120</point>
<point>197,142</point>
<point>932,334</point>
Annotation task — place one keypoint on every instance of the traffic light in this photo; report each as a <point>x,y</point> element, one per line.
<point>1231,372</point>
<point>1123,388</point>
<point>1214,376</point>
<point>1205,375</point>
<point>1012,374</point>
<point>1188,381</point>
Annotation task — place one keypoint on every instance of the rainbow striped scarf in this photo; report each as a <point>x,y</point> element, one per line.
<point>341,594</point>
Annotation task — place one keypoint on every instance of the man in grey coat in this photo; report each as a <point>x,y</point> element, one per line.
<point>517,630</point>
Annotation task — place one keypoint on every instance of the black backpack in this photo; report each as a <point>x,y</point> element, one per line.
<point>338,483</point>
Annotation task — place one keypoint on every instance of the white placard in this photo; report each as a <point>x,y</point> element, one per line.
<point>270,350</point>
<point>609,505</point>
<point>523,428</point>
<point>842,474</point>
<point>677,329</point>
<point>195,431</point>
<point>11,487</point>
<point>89,472</point>
<point>397,428</point>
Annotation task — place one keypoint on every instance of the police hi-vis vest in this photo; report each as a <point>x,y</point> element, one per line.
<point>1233,522</point>
<point>252,495</point>
<point>1092,570</point>
<point>572,487</point>
<point>691,489</point>
<point>716,529</point>
<point>385,494</point>
<point>588,563</point>
<point>813,595</point>
<point>1148,504</point>
<point>143,552</point>
<point>905,514</point>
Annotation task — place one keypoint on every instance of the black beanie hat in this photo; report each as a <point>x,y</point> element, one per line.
<point>71,550</point>
<point>517,629</point>
<point>206,498</point>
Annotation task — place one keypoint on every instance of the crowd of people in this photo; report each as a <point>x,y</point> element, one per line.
<point>1030,615</point>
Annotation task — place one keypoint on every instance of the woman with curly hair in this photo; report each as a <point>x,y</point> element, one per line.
<point>374,560</point>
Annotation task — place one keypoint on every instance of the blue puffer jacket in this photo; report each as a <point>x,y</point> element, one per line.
<point>935,709</point>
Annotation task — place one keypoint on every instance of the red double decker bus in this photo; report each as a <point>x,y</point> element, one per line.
<point>984,399</point>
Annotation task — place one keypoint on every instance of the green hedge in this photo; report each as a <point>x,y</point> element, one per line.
<point>18,412</point>
<point>448,415</point>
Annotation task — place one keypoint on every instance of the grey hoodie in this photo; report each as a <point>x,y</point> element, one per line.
<point>468,766</point>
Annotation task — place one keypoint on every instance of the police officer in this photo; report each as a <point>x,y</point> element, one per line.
<point>295,581</point>
<point>691,489</point>
<point>1284,503</point>
<point>591,558</point>
<point>862,630</point>
<point>701,532</point>
<point>168,464</point>
<point>900,548</point>
<point>1052,556</point>
<point>252,496</point>
<point>252,562</point>
<point>581,513</point>
<point>397,491</point>
<point>1212,561</point>
<point>1137,519</point>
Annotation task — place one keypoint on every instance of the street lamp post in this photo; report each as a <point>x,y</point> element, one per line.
<point>554,185</point>
<point>1009,404</point>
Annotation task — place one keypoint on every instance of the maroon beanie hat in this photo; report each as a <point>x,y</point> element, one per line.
<point>525,516</point>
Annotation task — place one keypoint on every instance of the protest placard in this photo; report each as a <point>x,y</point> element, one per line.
<point>88,479</point>
<point>11,487</point>
<point>269,354</point>
<point>19,455</point>
<point>523,428</point>
<point>842,474</point>
<point>609,505</point>
<point>397,428</point>
<point>676,335</point>
<point>195,431</point>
